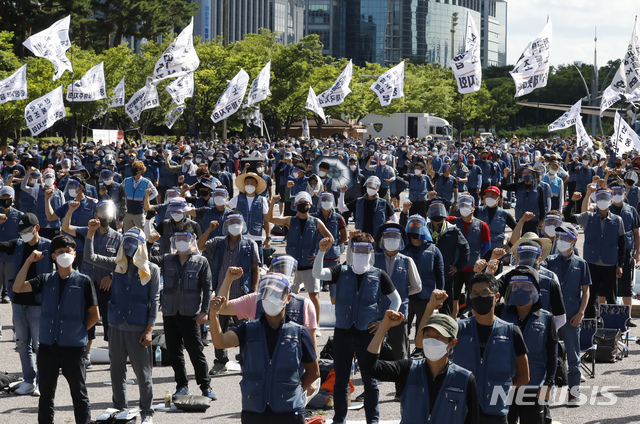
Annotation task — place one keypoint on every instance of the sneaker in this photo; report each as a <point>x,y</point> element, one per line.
<point>218,369</point>
<point>360,397</point>
<point>5,299</point>
<point>209,393</point>
<point>25,389</point>
<point>582,379</point>
<point>146,418</point>
<point>631,324</point>
<point>180,392</point>
<point>318,333</point>
<point>87,359</point>
<point>573,402</point>
<point>36,391</point>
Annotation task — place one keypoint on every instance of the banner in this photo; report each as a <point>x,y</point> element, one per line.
<point>52,43</point>
<point>609,98</point>
<point>313,104</point>
<point>305,127</point>
<point>104,137</point>
<point>100,112</point>
<point>145,98</point>
<point>43,112</point>
<point>631,61</point>
<point>260,86</point>
<point>624,137</point>
<point>231,99</point>
<point>532,69</point>
<point>390,85</point>
<point>117,99</point>
<point>568,118</point>
<point>467,68</point>
<point>584,140</point>
<point>253,117</point>
<point>172,116</point>
<point>181,88</point>
<point>90,87</point>
<point>339,90</point>
<point>14,87</point>
<point>179,58</point>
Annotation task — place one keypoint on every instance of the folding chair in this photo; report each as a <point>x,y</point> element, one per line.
<point>617,316</point>
<point>588,329</point>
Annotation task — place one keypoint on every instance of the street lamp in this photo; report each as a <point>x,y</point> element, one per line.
<point>454,22</point>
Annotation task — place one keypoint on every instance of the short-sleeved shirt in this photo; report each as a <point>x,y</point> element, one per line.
<point>233,204</point>
<point>229,258</point>
<point>582,219</point>
<point>484,331</point>
<point>9,247</point>
<point>245,308</point>
<point>369,207</point>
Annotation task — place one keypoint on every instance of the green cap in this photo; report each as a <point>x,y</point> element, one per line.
<point>443,324</point>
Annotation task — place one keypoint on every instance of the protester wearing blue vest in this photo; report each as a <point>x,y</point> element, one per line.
<point>529,198</point>
<point>633,196</point>
<point>204,187</point>
<point>495,217</point>
<point>434,389</point>
<point>69,309</point>
<point>359,290</point>
<point>419,187</point>
<point>370,211</point>
<point>217,213</point>
<point>556,184</point>
<point>48,229</point>
<point>580,178</point>
<point>446,185</point>
<point>475,178</point>
<point>280,362</point>
<point>135,188</point>
<point>9,232</point>
<point>177,208</point>
<point>523,309</point>
<point>108,189</point>
<point>297,182</point>
<point>386,174</point>
<point>337,226</point>
<point>492,349</point>
<point>133,308</point>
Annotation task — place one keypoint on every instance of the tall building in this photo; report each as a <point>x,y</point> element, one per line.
<point>327,19</point>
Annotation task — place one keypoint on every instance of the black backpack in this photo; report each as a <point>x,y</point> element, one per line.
<point>606,341</point>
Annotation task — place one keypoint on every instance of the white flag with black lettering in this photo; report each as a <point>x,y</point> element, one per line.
<point>45,111</point>
<point>339,90</point>
<point>231,99</point>
<point>143,99</point>
<point>181,88</point>
<point>609,98</point>
<point>467,68</point>
<point>568,118</point>
<point>90,87</point>
<point>305,127</point>
<point>390,85</point>
<point>100,112</point>
<point>172,116</point>
<point>313,104</point>
<point>52,43</point>
<point>631,61</point>
<point>14,87</point>
<point>179,58</point>
<point>532,69</point>
<point>624,137</point>
<point>584,139</point>
<point>260,86</point>
<point>117,99</point>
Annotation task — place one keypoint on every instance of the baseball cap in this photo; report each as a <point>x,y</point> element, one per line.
<point>443,324</point>
<point>492,189</point>
<point>27,221</point>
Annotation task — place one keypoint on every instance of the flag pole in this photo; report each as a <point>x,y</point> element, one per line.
<point>193,102</point>
<point>73,109</point>
<point>460,123</point>
<point>535,134</point>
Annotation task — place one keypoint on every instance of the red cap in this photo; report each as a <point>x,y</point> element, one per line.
<point>493,189</point>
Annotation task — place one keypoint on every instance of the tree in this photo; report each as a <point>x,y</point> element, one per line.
<point>11,113</point>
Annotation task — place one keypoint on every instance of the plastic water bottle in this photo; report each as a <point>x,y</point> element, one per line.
<point>158,357</point>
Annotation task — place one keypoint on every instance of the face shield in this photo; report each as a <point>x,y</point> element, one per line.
<point>527,176</point>
<point>49,177</point>
<point>220,196</point>
<point>564,241</point>
<point>417,228</point>
<point>273,292</point>
<point>72,189</point>
<point>529,255</point>
<point>437,211</point>
<point>327,201</point>
<point>392,239</point>
<point>234,225</point>
<point>183,243</point>
<point>284,264</point>
<point>603,199</point>
<point>106,176</point>
<point>361,256</point>
<point>170,194</point>
<point>521,291</point>
<point>465,204</point>
<point>550,224</point>
<point>618,194</point>
<point>373,183</point>
<point>131,240</point>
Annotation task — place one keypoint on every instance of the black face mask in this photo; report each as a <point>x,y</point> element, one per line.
<point>6,203</point>
<point>203,193</point>
<point>304,207</point>
<point>414,236</point>
<point>135,171</point>
<point>104,222</point>
<point>482,304</point>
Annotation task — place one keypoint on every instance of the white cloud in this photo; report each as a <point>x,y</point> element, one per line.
<point>574,24</point>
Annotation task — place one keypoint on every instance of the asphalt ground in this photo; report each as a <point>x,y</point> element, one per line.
<point>610,398</point>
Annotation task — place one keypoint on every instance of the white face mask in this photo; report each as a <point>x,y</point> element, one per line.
<point>73,192</point>
<point>353,167</point>
<point>272,307</point>
<point>391,244</point>
<point>65,260</point>
<point>219,200</point>
<point>371,191</point>
<point>183,246</point>
<point>360,263</point>
<point>326,205</point>
<point>250,189</point>
<point>108,182</point>
<point>602,204</point>
<point>434,349</point>
<point>259,170</point>
<point>618,198</point>
<point>552,172</point>
<point>585,162</point>
<point>49,182</point>
<point>177,217</point>
<point>187,162</point>
<point>418,172</point>
<point>563,246</point>
<point>383,162</point>
<point>235,229</point>
<point>465,211</point>
<point>322,173</point>
<point>491,202</point>
<point>27,237</point>
<point>550,230</point>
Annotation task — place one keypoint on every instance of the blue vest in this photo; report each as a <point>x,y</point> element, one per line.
<point>474,238</point>
<point>114,192</point>
<point>9,230</point>
<point>299,184</point>
<point>272,381</point>
<point>181,292</point>
<point>495,369</point>
<point>418,188</point>
<point>167,178</point>
<point>444,187</point>
<point>451,401</point>
<point>357,307</point>
<point>294,309</point>
<point>632,196</point>
<point>527,202</point>
<point>583,178</point>
<point>81,218</point>
<point>302,245</point>
<point>332,225</point>
<point>245,255</point>
<point>535,337</point>
<point>475,177</point>
<point>57,200</point>
<point>599,244</point>
<point>545,278</point>
<point>162,214</point>
<point>556,184</point>
<point>570,280</point>
<point>106,244</point>
<point>253,218</point>
<point>379,217</point>
<point>28,202</point>
<point>64,322</point>
<point>627,215</point>
<point>424,257</point>
<point>497,225</point>
<point>130,301</point>
<point>213,214</point>
<point>384,173</point>
<point>400,278</point>
<point>135,196</point>
<point>43,266</point>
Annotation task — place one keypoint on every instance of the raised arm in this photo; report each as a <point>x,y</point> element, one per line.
<point>20,285</point>
<point>48,210</point>
<point>277,220</point>
<point>66,222</point>
<point>90,256</point>
<point>220,340</point>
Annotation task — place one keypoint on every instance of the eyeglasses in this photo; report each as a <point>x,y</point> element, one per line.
<point>483,293</point>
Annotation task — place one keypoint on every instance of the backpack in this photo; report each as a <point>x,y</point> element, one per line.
<point>562,371</point>
<point>606,341</point>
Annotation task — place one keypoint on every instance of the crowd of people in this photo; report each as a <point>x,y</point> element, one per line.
<point>97,232</point>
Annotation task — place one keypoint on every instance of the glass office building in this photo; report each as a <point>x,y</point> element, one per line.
<point>327,19</point>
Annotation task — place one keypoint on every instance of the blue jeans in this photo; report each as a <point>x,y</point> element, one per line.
<point>571,337</point>
<point>26,321</point>
<point>345,345</point>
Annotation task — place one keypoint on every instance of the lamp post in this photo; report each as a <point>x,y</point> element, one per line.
<point>454,22</point>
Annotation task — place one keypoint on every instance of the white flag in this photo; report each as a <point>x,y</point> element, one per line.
<point>260,86</point>
<point>390,85</point>
<point>90,87</point>
<point>568,118</point>
<point>43,112</point>
<point>313,104</point>
<point>631,61</point>
<point>467,68</point>
<point>143,99</point>
<point>532,69</point>
<point>609,98</point>
<point>253,117</point>
<point>584,140</point>
<point>305,127</point>
<point>100,112</point>
<point>117,99</point>
<point>14,87</point>
<point>624,137</point>
<point>231,99</point>
<point>179,58</point>
<point>181,88</point>
<point>172,116</point>
<point>339,90</point>
<point>52,43</point>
